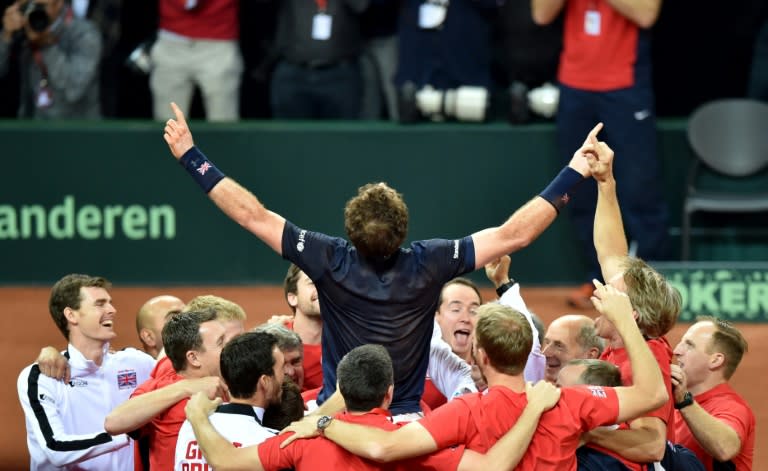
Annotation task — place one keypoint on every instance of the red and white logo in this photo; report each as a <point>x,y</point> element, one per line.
<point>598,391</point>
<point>203,168</point>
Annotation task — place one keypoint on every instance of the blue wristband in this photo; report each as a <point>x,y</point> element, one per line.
<point>556,193</point>
<point>201,169</point>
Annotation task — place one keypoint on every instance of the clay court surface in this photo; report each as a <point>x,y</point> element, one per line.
<point>26,326</point>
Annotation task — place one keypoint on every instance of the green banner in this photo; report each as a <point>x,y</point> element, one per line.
<point>733,291</point>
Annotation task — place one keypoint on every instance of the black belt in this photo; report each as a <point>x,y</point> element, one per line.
<point>322,64</point>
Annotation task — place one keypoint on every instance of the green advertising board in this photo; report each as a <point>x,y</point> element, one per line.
<point>735,291</point>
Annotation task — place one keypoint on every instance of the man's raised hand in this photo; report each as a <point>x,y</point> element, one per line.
<point>579,160</point>
<point>177,133</point>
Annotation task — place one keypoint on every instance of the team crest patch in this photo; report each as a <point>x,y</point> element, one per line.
<point>126,379</point>
<point>598,391</point>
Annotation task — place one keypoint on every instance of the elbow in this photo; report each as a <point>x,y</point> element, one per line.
<point>540,19</point>
<point>380,453</point>
<point>112,425</point>
<point>647,19</point>
<point>219,464</point>
<point>656,451</point>
<point>723,452</point>
<point>660,397</point>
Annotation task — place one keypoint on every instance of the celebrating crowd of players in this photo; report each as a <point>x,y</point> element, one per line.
<point>373,323</point>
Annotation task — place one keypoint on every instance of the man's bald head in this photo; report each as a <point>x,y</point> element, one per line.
<point>151,319</point>
<point>567,338</point>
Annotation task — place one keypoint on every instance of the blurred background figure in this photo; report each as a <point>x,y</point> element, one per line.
<point>317,75</point>
<point>197,46</point>
<point>58,60</point>
<point>605,76</point>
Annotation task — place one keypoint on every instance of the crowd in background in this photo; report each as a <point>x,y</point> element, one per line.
<point>376,53</point>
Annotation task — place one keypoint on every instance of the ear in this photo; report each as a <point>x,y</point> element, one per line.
<point>70,315</point>
<point>716,361</point>
<point>192,359</point>
<point>146,336</point>
<point>385,403</point>
<point>593,353</point>
<point>292,299</point>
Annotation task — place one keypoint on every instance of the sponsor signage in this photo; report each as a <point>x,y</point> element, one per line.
<point>735,291</point>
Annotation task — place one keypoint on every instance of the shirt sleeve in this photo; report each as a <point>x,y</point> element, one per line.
<point>273,457</point>
<point>445,259</point>
<point>664,359</point>
<point>310,251</point>
<point>449,424</point>
<point>735,415</point>
<point>592,406</point>
<point>40,400</point>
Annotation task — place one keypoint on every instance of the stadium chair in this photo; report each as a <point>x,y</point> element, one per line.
<point>729,139</point>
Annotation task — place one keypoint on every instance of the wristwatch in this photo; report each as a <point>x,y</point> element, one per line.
<point>687,401</point>
<point>323,423</point>
<point>503,288</point>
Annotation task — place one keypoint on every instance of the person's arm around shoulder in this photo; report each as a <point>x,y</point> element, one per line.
<point>369,442</point>
<point>609,237</point>
<point>643,442</point>
<point>53,364</point>
<point>717,438</point>
<point>544,12</point>
<point>528,222</point>
<point>506,453</point>
<point>141,409</point>
<point>648,391</point>
<point>643,13</point>
<point>234,200</point>
<point>221,454</point>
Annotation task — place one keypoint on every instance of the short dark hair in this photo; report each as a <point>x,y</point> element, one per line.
<point>244,359</point>
<point>460,281</point>
<point>376,220</point>
<point>181,333</point>
<point>598,372</point>
<point>66,294</point>
<point>290,409</point>
<point>290,283</point>
<point>364,375</point>
<point>726,339</point>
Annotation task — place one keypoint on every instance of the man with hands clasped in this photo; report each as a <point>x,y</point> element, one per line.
<point>713,420</point>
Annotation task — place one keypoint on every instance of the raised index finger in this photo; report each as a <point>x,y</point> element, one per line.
<point>179,114</point>
<point>592,136</point>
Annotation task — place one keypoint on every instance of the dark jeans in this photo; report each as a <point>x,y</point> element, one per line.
<point>329,92</point>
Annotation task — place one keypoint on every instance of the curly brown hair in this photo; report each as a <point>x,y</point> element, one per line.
<point>376,220</point>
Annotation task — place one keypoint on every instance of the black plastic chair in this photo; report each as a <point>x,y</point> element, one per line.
<point>730,140</point>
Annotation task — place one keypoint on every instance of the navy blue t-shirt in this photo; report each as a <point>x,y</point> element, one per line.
<point>391,303</point>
